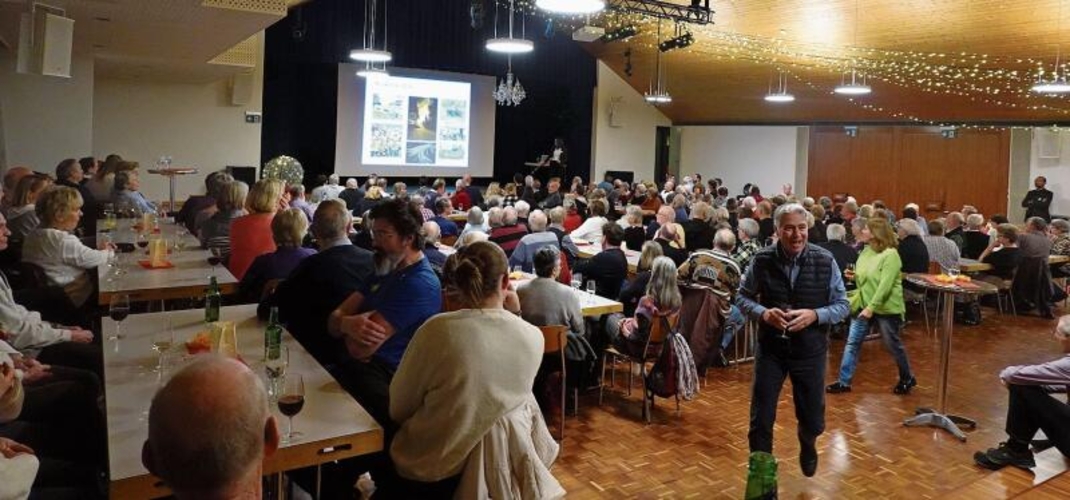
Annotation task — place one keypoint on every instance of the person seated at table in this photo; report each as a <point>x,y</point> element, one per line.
<point>912,250</point>
<point>250,235</point>
<point>72,173</point>
<point>1032,407</point>
<point>447,396</point>
<point>953,229</point>
<point>298,201</point>
<point>553,195</point>
<point>1060,245</point>
<point>975,239</point>
<point>229,206</point>
<point>127,197</point>
<point>288,230</point>
<point>21,216</point>
<point>697,230</point>
<point>879,299</point>
<point>557,219</point>
<point>717,271</point>
<point>18,465</point>
<point>592,229</point>
<point>1002,254</point>
<point>377,322</point>
<point>747,233</point>
<point>662,299</point>
<point>523,210</point>
<point>573,219</point>
<point>524,253</point>
<point>195,203</point>
<point>1033,287</point>
<point>631,222</point>
<point>321,282</point>
<point>431,251</point>
<point>509,233</point>
<point>608,268</point>
<point>443,208</point>
<point>102,183</point>
<point>475,221</point>
<point>460,199</point>
<point>210,431</point>
<point>62,256</point>
<point>219,184</point>
<point>941,250</point>
<point>668,237</point>
<point>635,288</point>
<point>843,253</point>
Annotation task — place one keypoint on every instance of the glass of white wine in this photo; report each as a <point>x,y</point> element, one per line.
<point>162,341</point>
<point>275,368</point>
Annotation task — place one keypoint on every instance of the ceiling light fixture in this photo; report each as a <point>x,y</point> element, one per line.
<point>622,33</point>
<point>854,87</point>
<point>1058,83</point>
<point>509,45</point>
<point>571,6</point>
<point>369,54</point>
<point>656,94</point>
<point>510,92</point>
<point>370,71</point>
<point>781,94</point>
<point>680,42</point>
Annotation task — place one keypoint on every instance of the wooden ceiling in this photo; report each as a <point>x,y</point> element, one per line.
<point>919,54</point>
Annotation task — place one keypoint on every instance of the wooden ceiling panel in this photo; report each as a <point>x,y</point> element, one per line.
<point>724,76</point>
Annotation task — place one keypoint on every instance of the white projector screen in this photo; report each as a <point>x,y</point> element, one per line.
<point>413,123</point>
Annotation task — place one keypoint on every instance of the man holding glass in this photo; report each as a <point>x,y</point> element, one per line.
<point>792,288</point>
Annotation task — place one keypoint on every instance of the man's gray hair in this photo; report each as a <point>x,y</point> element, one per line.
<point>835,232</point>
<point>1037,224</point>
<point>331,221</point>
<point>557,215</point>
<point>494,217</point>
<point>352,183</point>
<point>1062,225</point>
<point>432,232</point>
<point>750,228</point>
<point>537,221</point>
<point>475,216</point>
<point>724,240</point>
<point>787,209</point>
<point>910,227</point>
<point>975,221</point>
<point>228,440</point>
<point>509,216</point>
<point>459,185</point>
<point>417,199</point>
<point>522,208</point>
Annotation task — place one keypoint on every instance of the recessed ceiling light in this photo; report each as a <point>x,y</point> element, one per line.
<point>510,45</point>
<point>779,97</point>
<point>571,6</point>
<point>370,56</point>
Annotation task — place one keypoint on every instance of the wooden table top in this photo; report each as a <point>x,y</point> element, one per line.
<point>590,304</point>
<point>188,278</point>
<point>974,266</point>
<point>974,287</point>
<point>333,424</point>
<point>589,250</point>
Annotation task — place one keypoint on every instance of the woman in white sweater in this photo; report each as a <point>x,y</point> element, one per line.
<point>462,371</point>
<point>61,254</point>
<point>591,229</point>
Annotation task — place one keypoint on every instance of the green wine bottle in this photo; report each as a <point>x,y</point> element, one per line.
<point>213,299</point>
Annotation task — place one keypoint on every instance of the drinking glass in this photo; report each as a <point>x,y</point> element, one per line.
<point>180,239</point>
<point>577,282</point>
<point>275,368</point>
<point>215,258</point>
<point>142,240</point>
<point>162,341</point>
<point>118,310</point>
<point>953,272</point>
<point>592,286</point>
<point>290,403</point>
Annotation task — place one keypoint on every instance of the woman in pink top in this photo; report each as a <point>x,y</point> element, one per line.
<point>250,235</point>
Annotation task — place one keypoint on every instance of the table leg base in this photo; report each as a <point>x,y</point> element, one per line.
<point>949,423</point>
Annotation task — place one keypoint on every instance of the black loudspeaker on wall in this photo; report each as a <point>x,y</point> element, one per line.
<point>243,173</point>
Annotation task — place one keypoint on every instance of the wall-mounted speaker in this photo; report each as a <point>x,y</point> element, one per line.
<point>46,40</point>
<point>241,89</point>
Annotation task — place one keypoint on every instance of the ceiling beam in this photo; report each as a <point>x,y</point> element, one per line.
<point>698,12</point>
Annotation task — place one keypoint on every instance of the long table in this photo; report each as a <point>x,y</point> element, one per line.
<point>589,250</point>
<point>333,425</point>
<point>188,278</point>
<point>590,304</point>
<point>974,266</point>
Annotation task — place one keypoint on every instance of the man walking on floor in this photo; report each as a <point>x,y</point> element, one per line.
<point>792,289</point>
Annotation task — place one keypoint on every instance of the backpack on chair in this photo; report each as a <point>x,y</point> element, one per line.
<point>674,371</point>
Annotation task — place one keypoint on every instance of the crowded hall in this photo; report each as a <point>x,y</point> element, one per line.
<point>534,249</point>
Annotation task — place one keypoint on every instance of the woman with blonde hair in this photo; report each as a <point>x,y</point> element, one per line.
<point>877,299</point>
<point>288,230</point>
<point>250,235</point>
<point>447,395</point>
<point>494,189</point>
<point>510,195</point>
<point>65,260</point>
<point>661,299</point>
<point>22,216</point>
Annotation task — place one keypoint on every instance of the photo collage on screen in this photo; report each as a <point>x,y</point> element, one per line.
<point>417,122</point>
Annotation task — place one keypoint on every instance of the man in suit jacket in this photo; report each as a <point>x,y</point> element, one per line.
<point>321,282</point>
<point>609,268</point>
<point>1038,201</point>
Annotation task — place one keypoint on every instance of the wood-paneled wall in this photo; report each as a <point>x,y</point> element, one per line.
<point>912,164</point>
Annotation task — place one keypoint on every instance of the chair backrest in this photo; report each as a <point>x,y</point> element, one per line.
<point>26,275</point>
<point>448,240</point>
<point>555,338</point>
<point>662,326</point>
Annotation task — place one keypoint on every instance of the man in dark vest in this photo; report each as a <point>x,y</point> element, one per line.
<point>793,289</point>
<point>1038,201</point>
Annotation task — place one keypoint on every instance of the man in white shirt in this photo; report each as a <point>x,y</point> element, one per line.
<point>328,191</point>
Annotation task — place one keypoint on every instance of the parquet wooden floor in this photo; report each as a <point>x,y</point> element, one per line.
<point>865,452</point>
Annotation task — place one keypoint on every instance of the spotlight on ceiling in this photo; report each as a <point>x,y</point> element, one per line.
<point>682,41</point>
<point>622,33</point>
<point>854,87</point>
<point>571,6</point>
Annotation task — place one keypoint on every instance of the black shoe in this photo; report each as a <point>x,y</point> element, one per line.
<point>903,387</point>
<point>998,458</point>
<point>1040,445</point>
<point>837,388</point>
<point>720,361</point>
<point>808,459</point>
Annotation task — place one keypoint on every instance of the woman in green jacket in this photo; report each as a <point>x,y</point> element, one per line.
<point>880,298</point>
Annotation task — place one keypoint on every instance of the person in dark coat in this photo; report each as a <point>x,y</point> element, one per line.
<point>843,253</point>
<point>912,250</point>
<point>609,268</point>
<point>1038,201</point>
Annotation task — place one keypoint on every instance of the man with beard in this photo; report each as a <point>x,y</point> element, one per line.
<point>794,290</point>
<point>378,320</point>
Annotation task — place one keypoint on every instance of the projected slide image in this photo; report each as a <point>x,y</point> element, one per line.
<point>456,111</point>
<point>420,153</point>
<point>454,134</point>
<point>388,107</point>
<point>386,141</point>
<point>423,118</point>
<point>452,151</point>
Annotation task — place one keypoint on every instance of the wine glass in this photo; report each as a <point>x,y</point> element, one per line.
<point>592,286</point>
<point>180,238</point>
<point>577,281</point>
<point>276,371</point>
<point>142,240</point>
<point>290,403</point>
<point>953,272</point>
<point>118,310</point>
<point>162,342</point>
<point>215,258</point>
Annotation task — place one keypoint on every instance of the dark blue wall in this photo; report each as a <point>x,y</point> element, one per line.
<point>301,75</point>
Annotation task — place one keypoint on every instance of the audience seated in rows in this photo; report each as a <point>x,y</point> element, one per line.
<point>508,234</point>
<point>214,231</point>
<point>661,300</point>
<point>195,204</point>
<point>431,251</point>
<point>127,196</point>
<point>288,230</point>
<point>524,253</point>
<point>250,235</point>
<point>21,215</point>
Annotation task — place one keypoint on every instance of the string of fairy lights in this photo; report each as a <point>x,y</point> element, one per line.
<point>985,79</point>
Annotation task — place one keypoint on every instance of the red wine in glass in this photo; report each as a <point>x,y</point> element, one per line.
<point>119,313</point>
<point>215,260</point>
<point>291,404</point>
<point>142,244</point>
